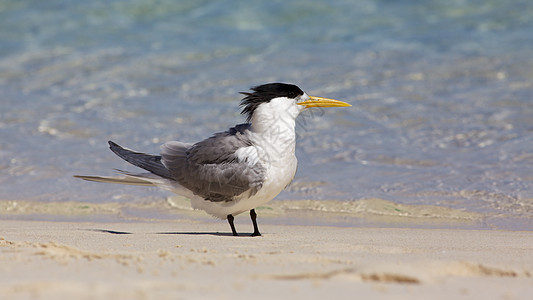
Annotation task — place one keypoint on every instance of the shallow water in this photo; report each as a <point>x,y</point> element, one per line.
<point>442,95</point>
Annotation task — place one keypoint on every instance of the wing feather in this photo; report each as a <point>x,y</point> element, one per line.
<point>211,168</point>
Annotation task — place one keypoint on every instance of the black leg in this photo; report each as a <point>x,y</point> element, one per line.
<point>253,215</point>
<point>230,221</point>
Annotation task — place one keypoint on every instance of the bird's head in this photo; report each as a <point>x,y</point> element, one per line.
<point>282,97</point>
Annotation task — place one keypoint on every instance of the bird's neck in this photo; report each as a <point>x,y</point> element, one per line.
<point>275,132</point>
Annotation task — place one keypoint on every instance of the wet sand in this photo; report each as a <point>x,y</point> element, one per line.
<point>198,259</point>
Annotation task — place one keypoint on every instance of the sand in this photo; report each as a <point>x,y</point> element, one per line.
<point>191,259</point>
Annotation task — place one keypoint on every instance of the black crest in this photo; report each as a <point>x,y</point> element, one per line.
<point>265,93</point>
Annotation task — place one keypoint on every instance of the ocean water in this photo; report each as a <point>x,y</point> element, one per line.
<point>442,96</point>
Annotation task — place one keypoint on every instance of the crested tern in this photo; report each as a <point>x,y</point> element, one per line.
<point>232,171</point>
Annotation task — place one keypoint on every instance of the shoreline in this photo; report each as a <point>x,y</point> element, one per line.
<point>197,259</point>
<point>364,213</point>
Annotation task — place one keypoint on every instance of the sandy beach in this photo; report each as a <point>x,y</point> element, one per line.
<point>189,259</point>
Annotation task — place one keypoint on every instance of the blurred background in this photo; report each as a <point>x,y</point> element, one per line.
<point>441,92</point>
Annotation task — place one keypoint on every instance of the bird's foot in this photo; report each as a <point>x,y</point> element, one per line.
<point>253,215</point>
<point>230,221</point>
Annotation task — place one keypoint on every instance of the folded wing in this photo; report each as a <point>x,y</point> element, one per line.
<point>211,168</point>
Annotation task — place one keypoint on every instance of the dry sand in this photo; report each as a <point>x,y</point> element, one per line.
<point>190,259</point>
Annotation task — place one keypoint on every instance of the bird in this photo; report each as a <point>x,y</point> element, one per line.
<point>236,170</point>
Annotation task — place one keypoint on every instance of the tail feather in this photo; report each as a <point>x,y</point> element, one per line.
<point>121,180</point>
<point>151,163</point>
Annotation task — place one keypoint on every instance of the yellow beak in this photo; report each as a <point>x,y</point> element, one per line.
<point>322,102</point>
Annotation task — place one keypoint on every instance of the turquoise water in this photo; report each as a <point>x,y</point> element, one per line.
<point>441,91</point>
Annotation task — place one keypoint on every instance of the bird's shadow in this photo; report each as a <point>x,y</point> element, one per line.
<point>108,231</point>
<point>199,233</point>
<point>174,233</point>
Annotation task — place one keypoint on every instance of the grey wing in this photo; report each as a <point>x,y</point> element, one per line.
<point>148,162</point>
<point>211,169</point>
